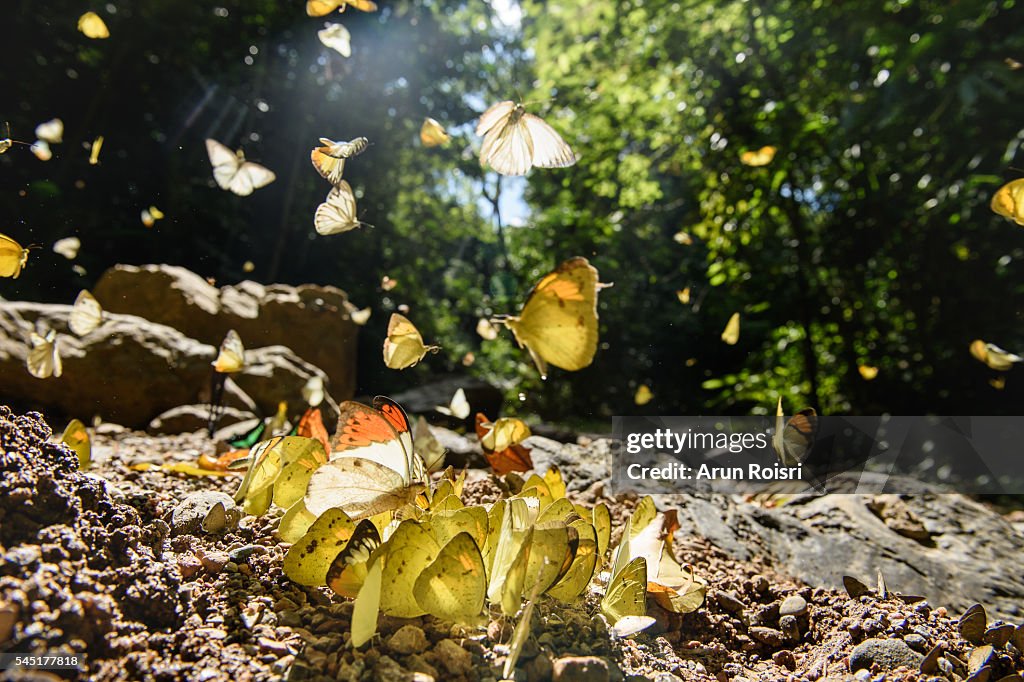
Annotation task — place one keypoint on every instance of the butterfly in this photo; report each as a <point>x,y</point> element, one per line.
<point>93,26</point>
<point>373,465</point>
<point>329,158</point>
<point>428,447</point>
<point>433,134</point>
<point>486,330</point>
<point>94,151</point>
<point>150,215</point>
<point>515,141</point>
<point>313,390</point>
<point>501,442</point>
<point>44,357</point>
<point>231,357</point>
<point>458,407</point>
<point>338,212</point>
<point>684,295</point>
<point>13,257</point>
<point>319,8</point>
<point>76,437</point>
<point>404,347</point>
<point>360,317</point>
<point>1008,201</point>
<point>336,37</point>
<point>454,585</point>
<point>867,372</point>
<point>994,356</point>
<point>7,142</point>
<point>86,314</point>
<point>558,323</point>
<point>793,439</point>
<point>67,247</point>
<point>731,333</point>
<point>761,157</point>
<point>643,395</point>
<point>51,131</point>
<point>627,592</point>
<point>41,149</point>
<point>232,172</point>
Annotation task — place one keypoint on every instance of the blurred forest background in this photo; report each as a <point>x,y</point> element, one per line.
<point>868,240</point>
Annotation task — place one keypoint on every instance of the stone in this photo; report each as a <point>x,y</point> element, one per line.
<point>453,657</point>
<point>729,601</point>
<point>888,654</point>
<point>131,371</point>
<point>767,636</point>
<point>215,562</point>
<point>190,418</point>
<point>299,317</point>
<point>580,669</point>
<point>408,639</point>
<point>793,605</point>
<point>189,514</point>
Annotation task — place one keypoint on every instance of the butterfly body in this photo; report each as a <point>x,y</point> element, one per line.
<point>13,257</point>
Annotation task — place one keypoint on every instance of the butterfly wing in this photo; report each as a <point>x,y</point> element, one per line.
<point>338,213</point>
<point>433,134</point>
<point>404,346</point>
<point>231,357</point>
<point>51,131</point>
<point>224,161</point>
<point>250,176</point>
<point>12,257</point>
<point>549,149</point>
<point>363,5</point>
<point>507,147</point>
<point>496,113</point>
<point>319,8</point>
<point>86,314</point>
<point>361,487</point>
<point>329,167</point>
<point>558,324</point>
<point>44,357</point>
<point>336,37</point>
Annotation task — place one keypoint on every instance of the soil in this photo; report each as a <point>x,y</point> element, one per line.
<point>89,565</point>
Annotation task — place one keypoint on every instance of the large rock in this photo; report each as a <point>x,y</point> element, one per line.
<point>313,321</point>
<point>130,370</point>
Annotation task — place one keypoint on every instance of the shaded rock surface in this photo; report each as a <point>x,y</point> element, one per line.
<point>130,370</point>
<point>313,321</point>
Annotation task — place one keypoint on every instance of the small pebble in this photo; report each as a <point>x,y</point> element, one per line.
<point>793,605</point>
<point>242,554</point>
<point>729,601</point>
<point>453,657</point>
<point>580,669</point>
<point>888,654</point>
<point>916,641</point>
<point>769,636</point>
<point>408,639</point>
<point>214,562</point>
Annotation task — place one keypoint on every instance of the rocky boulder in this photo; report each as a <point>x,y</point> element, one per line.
<point>313,321</point>
<point>130,370</point>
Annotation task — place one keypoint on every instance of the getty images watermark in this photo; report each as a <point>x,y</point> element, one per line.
<point>815,454</point>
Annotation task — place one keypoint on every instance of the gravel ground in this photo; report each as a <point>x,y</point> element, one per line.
<point>90,564</point>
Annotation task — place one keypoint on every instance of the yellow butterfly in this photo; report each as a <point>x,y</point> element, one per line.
<point>683,295</point>
<point>232,172</point>
<point>558,324</point>
<point>76,437</point>
<point>319,8</point>
<point>86,314</point>
<point>515,141</point>
<point>94,151</point>
<point>41,149</point>
<point>794,438</point>
<point>336,37</point>
<point>731,333</point>
<point>329,158</point>
<point>428,447</point>
<point>993,356</point>
<point>454,585</point>
<point>150,215</point>
<point>13,257</point>
<point>44,357</point>
<point>458,407</point>
<point>867,372</point>
<point>627,592</point>
<point>367,606</point>
<point>231,357</point>
<point>93,26</point>
<point>1008,201</point>
<point>51,131</point>
<point>404,346</point>
<point>6,143</point>
<point>67,247</point>
<point>643,395</point>
<point>761,157</point>
<point>338,212</point>
<point>433,134</point>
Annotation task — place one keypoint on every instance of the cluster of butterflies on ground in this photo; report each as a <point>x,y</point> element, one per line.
<point>365,521</point>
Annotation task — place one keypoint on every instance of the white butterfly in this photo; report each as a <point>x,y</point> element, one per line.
<point>41,149</point>
<point>67,247</point>
<point>233,172</point>
<point>373,468</point>
<point>231,357</point>
<point>515,140</point>
<point>51,131</point>
<point>458,407</point>
<point>338,212</point>
<point>86,314</point>
<point>336,37</point>
<point>329,158</point>
<point>44,357</point>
